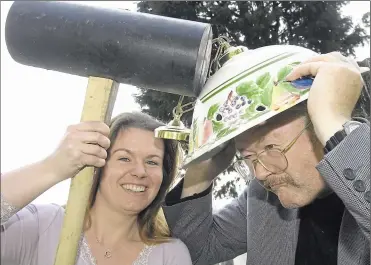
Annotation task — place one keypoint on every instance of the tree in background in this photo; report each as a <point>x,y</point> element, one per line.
<point>319,26</point>
<point>366,19</point>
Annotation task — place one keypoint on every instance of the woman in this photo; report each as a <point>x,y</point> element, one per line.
<point>123,225</point>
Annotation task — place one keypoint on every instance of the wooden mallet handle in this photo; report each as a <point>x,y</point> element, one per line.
<point>99,101</point>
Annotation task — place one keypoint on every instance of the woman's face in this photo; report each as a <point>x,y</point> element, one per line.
<point>133,173</point>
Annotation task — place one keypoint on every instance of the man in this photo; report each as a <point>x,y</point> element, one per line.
<point>305,206</point>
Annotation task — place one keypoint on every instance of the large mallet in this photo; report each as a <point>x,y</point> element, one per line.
<point>109,46</point>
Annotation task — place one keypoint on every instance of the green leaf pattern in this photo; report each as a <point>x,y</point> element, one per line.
<point>283,73</point>
<point>217,126</point>
<point>263,80</point>
<point>259,93</point>
<point>267,94</point>
<point>213,109</point>
<point>248,89</point>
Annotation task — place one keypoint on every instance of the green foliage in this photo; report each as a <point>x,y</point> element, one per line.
<point>225,131</point>
<point>283,72</point>
<point>267,94</point>
<point>213,109</point>
<point>366,19</point>
<point>222,132</point>
<point>227,188</point>
<point>160,105</point>
<point>263,80</point>
<point>195,129</point>
<point>217,126</point>
<point>249,89</point>
<point>317,25</point>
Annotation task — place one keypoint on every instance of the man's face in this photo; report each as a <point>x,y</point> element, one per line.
<point>300,183</point>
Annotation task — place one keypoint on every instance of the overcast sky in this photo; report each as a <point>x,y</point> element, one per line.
<point>37,105</point>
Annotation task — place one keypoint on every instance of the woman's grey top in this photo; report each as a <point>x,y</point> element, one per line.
<point>31,236</point>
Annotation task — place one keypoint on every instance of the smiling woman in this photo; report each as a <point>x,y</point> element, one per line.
<point>132,141</point>
<point>124,225</point>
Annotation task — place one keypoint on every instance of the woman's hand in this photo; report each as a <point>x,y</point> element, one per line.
<point>336,88</point>
<point>84,144</point>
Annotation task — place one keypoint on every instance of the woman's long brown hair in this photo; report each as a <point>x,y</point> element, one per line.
<point>151,221</point>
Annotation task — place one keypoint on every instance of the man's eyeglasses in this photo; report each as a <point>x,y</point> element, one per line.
<point>272,158</point>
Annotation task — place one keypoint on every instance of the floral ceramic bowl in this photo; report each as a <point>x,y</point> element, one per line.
<point>247,90</point>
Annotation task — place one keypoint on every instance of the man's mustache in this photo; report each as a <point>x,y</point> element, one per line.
<point>273,180</point>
